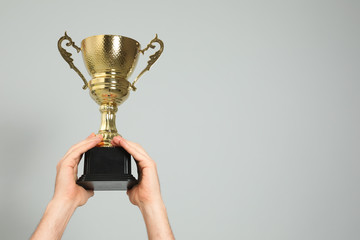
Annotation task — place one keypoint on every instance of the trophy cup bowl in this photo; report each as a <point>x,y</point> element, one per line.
<point>110,60</point>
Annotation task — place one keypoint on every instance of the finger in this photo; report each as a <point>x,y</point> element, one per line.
<point>95,137</point>
<point>137,146</point>
<point>86,145</point>
<point>76,171</point>
<point>115,143</point>
<point>128,147</point>
<point>143,159</point>
<point>71,150</point>
<point>133,144</point>
<point>79,143</point>
<point>92,135</point>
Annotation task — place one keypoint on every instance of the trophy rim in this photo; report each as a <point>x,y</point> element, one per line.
<point>110,35</point>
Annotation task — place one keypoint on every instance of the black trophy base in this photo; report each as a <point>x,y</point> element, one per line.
<point>106,169</point>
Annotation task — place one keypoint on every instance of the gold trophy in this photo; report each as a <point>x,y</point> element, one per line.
<point>110,60</point>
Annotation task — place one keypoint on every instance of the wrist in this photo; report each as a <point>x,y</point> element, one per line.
<point>68,201</point>
<point>153,205</point>
<point>66,205</point>
<point>156,220</point>
<point>54,220</point>
<point>153,211</point>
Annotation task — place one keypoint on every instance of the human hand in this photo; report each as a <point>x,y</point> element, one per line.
<point>68,195</point>
<point>146,194</point>
<point>66,189</point>
<point>147,191</point>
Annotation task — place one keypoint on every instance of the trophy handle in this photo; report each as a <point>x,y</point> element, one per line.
<point>152,60</point>
<point>67,56</point>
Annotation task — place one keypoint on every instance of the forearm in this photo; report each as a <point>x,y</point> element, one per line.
<point>54,221</point>
<point>156,220</point>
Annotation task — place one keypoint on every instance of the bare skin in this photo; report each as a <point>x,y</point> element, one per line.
<point>146,195</point>
<point>68,195</point>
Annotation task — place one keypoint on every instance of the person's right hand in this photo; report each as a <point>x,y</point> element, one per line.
<point>147,192</point>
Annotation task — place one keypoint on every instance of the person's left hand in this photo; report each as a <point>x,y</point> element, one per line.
<point>66,188</point>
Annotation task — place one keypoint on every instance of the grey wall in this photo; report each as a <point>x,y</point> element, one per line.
<point>252,114</point>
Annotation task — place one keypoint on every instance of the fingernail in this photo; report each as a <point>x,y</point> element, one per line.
<point>99,136</point>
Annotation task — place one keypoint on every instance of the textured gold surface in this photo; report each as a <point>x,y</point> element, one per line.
<point>67,56</point>
<point>110,60</point>
<point>153,57</point>
<point>110,55</point>
<point>108,123</point>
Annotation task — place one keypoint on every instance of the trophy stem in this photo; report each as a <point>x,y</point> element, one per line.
<point>108,123</point>
<point>107,168</point>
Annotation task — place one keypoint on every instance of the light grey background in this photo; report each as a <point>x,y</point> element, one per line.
<point>252,114</point>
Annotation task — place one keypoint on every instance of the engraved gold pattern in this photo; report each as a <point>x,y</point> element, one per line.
<point>110,60</point>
